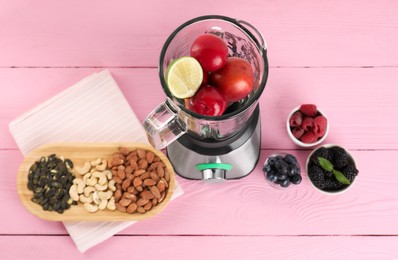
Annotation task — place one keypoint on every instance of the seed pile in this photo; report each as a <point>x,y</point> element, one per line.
<point>50,180</point>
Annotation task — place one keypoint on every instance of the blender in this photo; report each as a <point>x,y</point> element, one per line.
<point>211,148</point>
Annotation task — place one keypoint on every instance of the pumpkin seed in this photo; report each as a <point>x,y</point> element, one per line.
<point>50,179</point>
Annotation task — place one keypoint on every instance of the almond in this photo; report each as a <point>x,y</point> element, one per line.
<point>149,182</point>
<point>167,175</point>
<point>142,164</point>
<point>161,186</point>
<point>129,196</point>
<point>120,207</point>
<point>155,191</point>
<point>160,171</point>
<point>146,194</point>
<point>154,176</point>
<point>137,182</point>
<point>144,176</point>
<point>132,208</point>
<point>150,156</point>
<point>125,202</point>
<point>148,206</point>
<point>141,210</point>
<point>126,184</point>
<point>142,202</point>
<point>117,180</point>
<point>141,153</point>
<point>117,195</point>
<point>121,174</point>
<point>139,172</point>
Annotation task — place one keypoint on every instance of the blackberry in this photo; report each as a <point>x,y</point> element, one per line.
<point>349,172</point>
<point>328,175</point>
<point>320,152</point>
<point>340,157</point>
<point>317,176</point>
<point>333,185</point>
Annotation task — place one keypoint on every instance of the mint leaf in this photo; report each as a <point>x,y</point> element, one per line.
<point>340,177</point>
<point>325,164</point>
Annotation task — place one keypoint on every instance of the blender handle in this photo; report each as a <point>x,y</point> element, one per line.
<point>163,126</point>
<point>262,41</point>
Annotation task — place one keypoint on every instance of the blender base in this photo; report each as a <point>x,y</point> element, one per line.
<point>243,158</point>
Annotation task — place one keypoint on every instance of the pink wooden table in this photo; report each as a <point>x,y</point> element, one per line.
<point>341,55</point>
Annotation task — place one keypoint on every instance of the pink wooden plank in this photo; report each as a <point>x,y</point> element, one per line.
<point>305,33</point>
<point>204,247</point>
<point>361,103</point>
<point>248,206</point>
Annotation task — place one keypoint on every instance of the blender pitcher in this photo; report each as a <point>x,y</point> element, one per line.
<point>211,147</point>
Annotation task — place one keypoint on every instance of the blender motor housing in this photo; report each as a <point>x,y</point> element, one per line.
<point>211,160</point>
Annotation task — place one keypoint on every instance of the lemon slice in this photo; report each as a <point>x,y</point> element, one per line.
<point>184,76</point>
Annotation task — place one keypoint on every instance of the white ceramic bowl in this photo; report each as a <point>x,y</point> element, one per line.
<point>298,142</point>
<point>350,158</point>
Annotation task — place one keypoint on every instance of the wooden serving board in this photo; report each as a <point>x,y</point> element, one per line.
<point>79,153</point>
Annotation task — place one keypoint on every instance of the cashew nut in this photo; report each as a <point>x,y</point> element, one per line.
<point>96,198</point>
<point>86,177</point>
<point>96,187</point>
<point>88,190</point>
<point>102,166</point>
<point>95,162</point>
<point>101,177</point>
<point>105,195</point>
<point>73,193</point>
<point>91,181</point>
<point>112,185</point>
<point>80,185</point>
<point>103,204</point>
<point>85,199</point>
<point>101,187</point>
<point>108,174</point>
<point>84,169</point>
<point>111,204</point>
<point>90,208</point>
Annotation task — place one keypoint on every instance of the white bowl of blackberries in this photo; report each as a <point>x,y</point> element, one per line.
<point>282,170</point>
<point>331,169</point>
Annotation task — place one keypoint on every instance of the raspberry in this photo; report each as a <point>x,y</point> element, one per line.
<point>297,132</point>
<point>307,123</point>
<point>296,119</point>
<point>319,126</point>
<point>340,157</point>
<point>308,109</point>
<point>309,138</point>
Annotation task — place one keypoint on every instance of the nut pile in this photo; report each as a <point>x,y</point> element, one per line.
<point>50,180</point>
<point>95,188</point>
<point>142,180</point>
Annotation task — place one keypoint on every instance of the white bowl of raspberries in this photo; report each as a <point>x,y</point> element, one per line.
<point>307,125</point>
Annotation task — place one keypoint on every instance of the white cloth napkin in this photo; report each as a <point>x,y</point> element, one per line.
<point>92,110</point>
